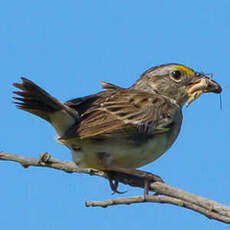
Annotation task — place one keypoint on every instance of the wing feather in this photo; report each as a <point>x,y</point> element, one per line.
<point>119,108</point>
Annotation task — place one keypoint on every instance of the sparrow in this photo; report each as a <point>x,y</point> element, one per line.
<point>121,129</point>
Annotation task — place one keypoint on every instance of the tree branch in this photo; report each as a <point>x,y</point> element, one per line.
<point>166,194</point>
<point>159,199</point>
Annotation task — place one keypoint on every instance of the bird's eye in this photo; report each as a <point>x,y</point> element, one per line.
<point>176,75</point>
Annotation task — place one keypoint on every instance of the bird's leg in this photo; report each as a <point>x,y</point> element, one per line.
<point>105,161</point>
<point>146,187</point>
<point>114,185</point>
<point>128,175</point>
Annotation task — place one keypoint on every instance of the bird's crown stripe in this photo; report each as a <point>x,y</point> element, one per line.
<point>185,69</point>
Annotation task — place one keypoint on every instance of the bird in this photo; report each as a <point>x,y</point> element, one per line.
<point>120,129</point>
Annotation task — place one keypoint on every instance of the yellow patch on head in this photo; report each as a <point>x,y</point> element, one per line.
<point>185,69</point>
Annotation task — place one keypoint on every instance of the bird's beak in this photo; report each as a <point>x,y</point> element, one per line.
<point>201,84</point>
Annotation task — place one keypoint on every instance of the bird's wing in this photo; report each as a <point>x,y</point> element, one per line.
<point>118,108</point>
<point>82,104</point>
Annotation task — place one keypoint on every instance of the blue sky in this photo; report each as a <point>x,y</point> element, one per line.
<point>67,47</point>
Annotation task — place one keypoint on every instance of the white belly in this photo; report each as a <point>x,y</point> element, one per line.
<point>101,155</point>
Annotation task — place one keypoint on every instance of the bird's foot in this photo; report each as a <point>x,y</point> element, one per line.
<point>132,177</point>
<point>148,179</point>
<point>114,185</point>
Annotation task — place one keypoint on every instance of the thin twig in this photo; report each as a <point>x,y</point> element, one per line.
<point>171,195</point>
<point>159,199</point>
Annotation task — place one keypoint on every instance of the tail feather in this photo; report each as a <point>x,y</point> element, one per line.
<point>37,101</point>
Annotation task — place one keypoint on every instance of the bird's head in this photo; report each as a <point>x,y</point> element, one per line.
<point>177,82</point>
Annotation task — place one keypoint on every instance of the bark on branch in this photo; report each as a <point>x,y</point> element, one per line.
<point>165,194</point>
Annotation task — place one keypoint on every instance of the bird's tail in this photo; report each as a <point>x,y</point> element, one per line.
<point>37,101</point>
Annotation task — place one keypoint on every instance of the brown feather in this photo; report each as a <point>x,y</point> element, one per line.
<point>37,101</point>
<point>123,108</point>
